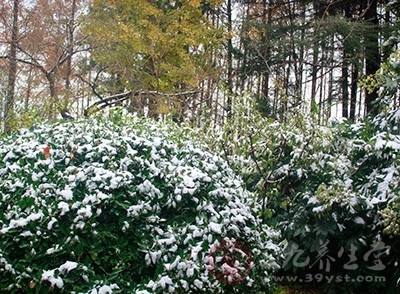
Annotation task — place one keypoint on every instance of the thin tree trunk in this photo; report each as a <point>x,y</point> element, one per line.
<point>372,54</point>
<point>216,106</point>
<point>286,85</point>
<point>28,89</point>
<point>266,18</point>
<point>228,105</point>
<point>71,29</point>
<point>321,91</point>
<point>243,77</point>
<point>12,72</point>
<point>331,63</point>
<point>345,69</point>
<point>345,87</point>
<point>300,59</point>
<point>320,10</point>
<point>314,76</point>
<point>53,94</point>
<point>330,84</point>
<point>199,114</point>
<point>353,96</point>
<point>386,50</point>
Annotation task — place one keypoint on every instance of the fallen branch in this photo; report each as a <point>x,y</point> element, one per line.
<point>121,97</point>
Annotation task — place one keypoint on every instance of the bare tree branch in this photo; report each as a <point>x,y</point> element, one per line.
<point>119,98</point>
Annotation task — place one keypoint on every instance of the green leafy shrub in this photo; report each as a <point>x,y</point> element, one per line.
<point>332,190</point>
<point>121,206</point>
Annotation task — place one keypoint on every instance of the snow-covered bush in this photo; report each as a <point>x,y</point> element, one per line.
<point>332,190</point>
<point>122,206</point>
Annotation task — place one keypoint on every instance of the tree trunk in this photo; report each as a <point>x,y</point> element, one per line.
<point>330,82</point>
<point>53,94</point>
<point>386,50</point>
<point>345,87</point>
<point>299,60</point>
<point>345,68</point>
<point>372,54</point>
<point>321,102</point>
<point>314,76</point>
<point>12,72</point>
<point>70,51</point>
<point>228,105</point>
<point>353,96</point>
<point>266,18</point>
<point>28,89</point>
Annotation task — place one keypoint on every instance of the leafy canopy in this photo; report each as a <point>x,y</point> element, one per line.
<point>157,45</point>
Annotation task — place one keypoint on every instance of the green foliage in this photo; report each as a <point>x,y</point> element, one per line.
<point>37,112</point>
<point>153,44</point>
<point>122,205</point>
<point>387,81</point>
<point>332,190</point>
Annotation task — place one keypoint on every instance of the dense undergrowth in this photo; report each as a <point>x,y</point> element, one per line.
<point>134,205</point>
<point>126,205</point>
<point>332,190</point>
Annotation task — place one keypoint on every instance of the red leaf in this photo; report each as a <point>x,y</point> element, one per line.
<point>46,151</point>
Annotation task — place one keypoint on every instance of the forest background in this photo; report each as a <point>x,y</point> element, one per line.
<point>192,59</point>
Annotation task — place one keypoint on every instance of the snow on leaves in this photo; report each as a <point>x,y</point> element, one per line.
<point>110,208</point>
